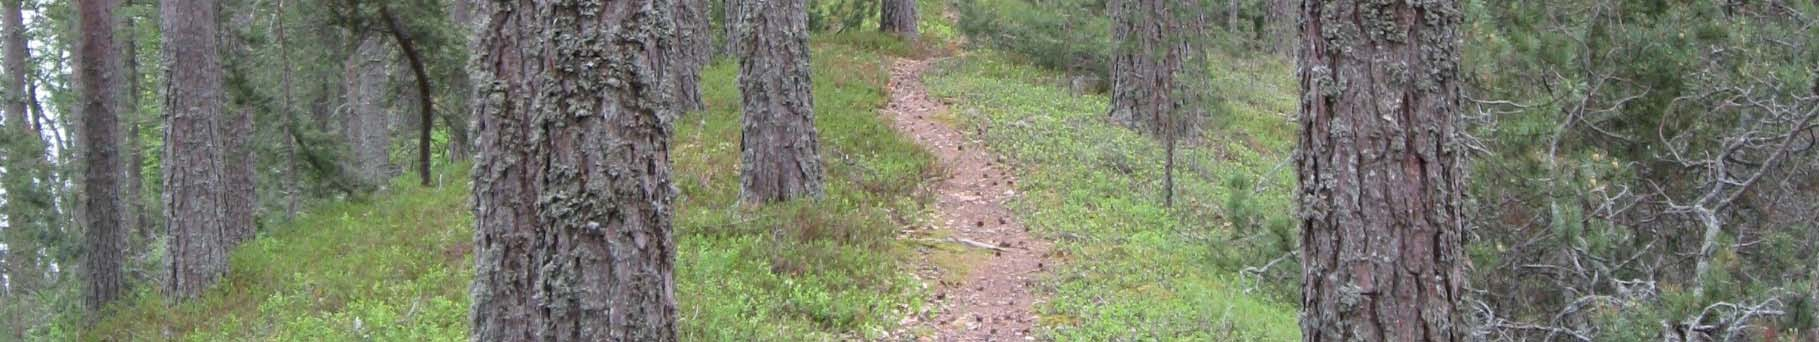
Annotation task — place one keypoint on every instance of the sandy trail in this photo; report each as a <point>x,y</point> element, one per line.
<point>994,301</point>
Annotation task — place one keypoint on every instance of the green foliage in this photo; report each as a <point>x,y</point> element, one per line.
<point>1133,270</point>
<point>1070,35</point>
<point>812,270</point>
<point>398,266</point>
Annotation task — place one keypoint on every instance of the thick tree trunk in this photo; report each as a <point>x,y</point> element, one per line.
<point>781,159</point>
<point>194,168</point>
<point>426,103</point>
<point>692,51</point>
<point>97,68</point>
<point>1139,67</point>
<point>572,192</point>
<point>1380,181</point>
<point>366,123</point>
<point>898,17</point>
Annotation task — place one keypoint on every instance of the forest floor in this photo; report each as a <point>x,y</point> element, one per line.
<point>980,298</point>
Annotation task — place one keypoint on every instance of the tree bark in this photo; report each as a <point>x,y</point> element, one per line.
<point>292,175</point>
<point>1139,69</point>
<point>1380,181</point>
<point>28,204</point>
<point>781,159</point>
<point>141,217</point>
<point>97,67</point>
<point>1282,23</point>
<point>691,49</point>
<point>461,13</point>
<point>899,18</point>
<point>240,197</point>
<point>16,55</point>
<point>366,124</point>
<point>425,98</point>
<point>194,167</point>
<point>572,191</point>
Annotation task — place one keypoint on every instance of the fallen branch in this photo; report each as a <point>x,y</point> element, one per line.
<point>977,244</point>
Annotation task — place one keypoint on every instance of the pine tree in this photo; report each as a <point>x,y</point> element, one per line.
<point>572,192</point>
<point>97,68</point>
<point>194,166</point>
<point>898,17</point>
<point>781,157</point>
<point>1380,181</point>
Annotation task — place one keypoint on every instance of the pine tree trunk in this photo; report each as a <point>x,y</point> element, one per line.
<point>572,192</point>
<point>240,198</point>
<point>16,54</point>
<point>1138,64</point>
<point>426,104</point>
<point>1380,181</point>
<point>733,23</point>
<point>97,68</point>
<point>899,17</point>
<point>292,175</point>
<point>237,130</point>
<point>781,158</point>
<point>366,123</point>
<point>1283,16</point>
<point>194,166</point>
<point>21,145</point>
<point>141,217</point>
<point>691,51</point>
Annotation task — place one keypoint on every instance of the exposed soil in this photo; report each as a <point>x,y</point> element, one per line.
<point>985,292</point>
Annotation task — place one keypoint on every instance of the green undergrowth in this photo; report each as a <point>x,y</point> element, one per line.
<point>1133,269</point>
<point>397,266</point>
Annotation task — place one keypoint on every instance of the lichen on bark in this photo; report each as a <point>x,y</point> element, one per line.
<point>573,200</point>
<point>1380,184</point>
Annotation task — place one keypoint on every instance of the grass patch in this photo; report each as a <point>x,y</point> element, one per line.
<point>398,266</point>
<point>1135,270</point>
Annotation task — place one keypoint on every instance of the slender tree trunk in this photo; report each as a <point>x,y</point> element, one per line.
<point>366,124</point>
<point>1138,64</point>
<point>140,219</point>
<point>97,66</point>
<point>1231,16</point>
<point>691,50</point>
<point>194,169</point>
<point>1380,181</point>
<point>899,17</point>
<point>240,198</point>
<point>425,98</point>
<point>572,192</point>
<point>1282,26</point>
<point>733,23</point>
<point>461,13</point>
<point>16,55</point>
<point>237,129</point>
<point>291,174</point>
<point>27,208</point>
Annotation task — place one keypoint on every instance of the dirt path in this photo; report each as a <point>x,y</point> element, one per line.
<point>987,297</point>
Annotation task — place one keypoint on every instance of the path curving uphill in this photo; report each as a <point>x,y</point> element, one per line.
<point>990,298</point>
